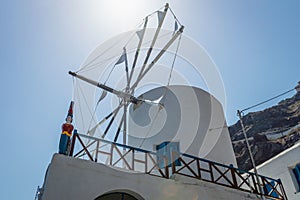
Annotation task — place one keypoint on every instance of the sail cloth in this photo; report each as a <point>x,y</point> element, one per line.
<point>175,27</point>
<point>103,95</point>
<point>140,33</point>
<point>122,58</point>
<point>160,16</point>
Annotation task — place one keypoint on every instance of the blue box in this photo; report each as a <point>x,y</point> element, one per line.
<point>164,150</point>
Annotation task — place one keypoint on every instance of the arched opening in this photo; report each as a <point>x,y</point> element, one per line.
<point>120,195</point>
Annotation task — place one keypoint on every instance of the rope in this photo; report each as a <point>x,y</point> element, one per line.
<point>73,84</point>
<point>90,63</point>
<point>170,75</point>
<point>137,26</point>
<point>73,95</point>
<point>144,138</point>
<point>85,100</point>
<point>150,15</point>
<point>104,51</point>
<point>267,100</point>
<point>92,119</point>
<point>175,17</point>
<point>95,65</point>
<point>175,56</point>
<point>79,107</point>
<point>112,69</point>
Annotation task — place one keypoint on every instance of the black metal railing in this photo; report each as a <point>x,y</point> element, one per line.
<point>136,159</point>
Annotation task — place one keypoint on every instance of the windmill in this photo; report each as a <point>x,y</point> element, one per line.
<point>141,88</point>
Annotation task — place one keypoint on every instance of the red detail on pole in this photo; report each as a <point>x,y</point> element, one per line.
<point>70,111</point>
<point>73,143</point>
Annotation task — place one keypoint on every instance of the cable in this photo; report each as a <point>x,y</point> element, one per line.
<point>267,100</point>
<point>104,51</point>
<point>144,138</point>
<point>175,17</point>
<point>173,63</point>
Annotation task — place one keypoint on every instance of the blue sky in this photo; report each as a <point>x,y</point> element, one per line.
<point>254,43</point>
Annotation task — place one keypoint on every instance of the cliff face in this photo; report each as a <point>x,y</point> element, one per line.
<point>269,131</point>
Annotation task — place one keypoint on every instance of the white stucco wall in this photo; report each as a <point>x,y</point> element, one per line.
<point>190,116</point>
<point>76,179</point>
<point>280,167</point>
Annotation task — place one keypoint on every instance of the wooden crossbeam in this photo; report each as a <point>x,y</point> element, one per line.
<point>122,157</point>
<point>156,166</point>
<point>85,149</point>
<point>222,175</point>
<point>187,166</point>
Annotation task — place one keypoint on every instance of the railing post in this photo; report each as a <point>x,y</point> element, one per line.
<point>173,162</point>
<point>166,167</point>
<point>73,142</point>
<point>233,171</point>
<point>85,149</point>
<point>146,162</point>
<point>97,149</point>
<point>211,172</point>
<point>133,157</point>
<point>255,183</point>
<point>111,153</point>
<point>282,189</point>
<point>199,169</point>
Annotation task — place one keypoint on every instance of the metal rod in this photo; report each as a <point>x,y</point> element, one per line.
<point>125,124</point>
<point>111,121</point>
<point>138,50</point>
<point>154,39</point>
<point>106,88</point>
<point>109,125</point>
<point>249,150</point>
<point>119,129</point>
<point>159,55</point>
<point>95,83</point>
<point>126,68</point>
<point>103,120</point>
<point>97,151</point>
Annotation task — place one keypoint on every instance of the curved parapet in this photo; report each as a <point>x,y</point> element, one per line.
<point>94,181</point>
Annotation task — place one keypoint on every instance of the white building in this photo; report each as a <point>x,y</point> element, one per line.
<point>77,179</point>
<point>101,169</point>
<point>285,166</point>
<point>120,178</point>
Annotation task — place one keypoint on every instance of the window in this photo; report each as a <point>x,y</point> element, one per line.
<point>296,172</point>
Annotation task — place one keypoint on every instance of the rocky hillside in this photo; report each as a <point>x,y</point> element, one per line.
<point>269,131</point>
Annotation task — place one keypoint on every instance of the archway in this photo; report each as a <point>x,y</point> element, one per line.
<point>120,195</point>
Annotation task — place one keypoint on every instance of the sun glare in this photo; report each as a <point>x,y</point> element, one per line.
<point>123,14</point>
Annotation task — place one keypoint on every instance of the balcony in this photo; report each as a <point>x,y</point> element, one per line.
<point>134,159</point>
